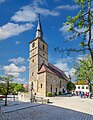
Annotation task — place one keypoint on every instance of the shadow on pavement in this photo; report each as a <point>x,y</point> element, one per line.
<point>46,112</point>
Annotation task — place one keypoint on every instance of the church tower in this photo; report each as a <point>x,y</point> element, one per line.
<point>38,54</point>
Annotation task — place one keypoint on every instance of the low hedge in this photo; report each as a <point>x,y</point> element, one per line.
<point>49,94</point>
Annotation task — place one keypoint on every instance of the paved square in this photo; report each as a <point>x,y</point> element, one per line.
<point>61,108</point>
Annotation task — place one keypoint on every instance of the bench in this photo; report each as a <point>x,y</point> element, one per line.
<point>40,99</point>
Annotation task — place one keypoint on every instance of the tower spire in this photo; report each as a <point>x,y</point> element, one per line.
<point>39,32</point>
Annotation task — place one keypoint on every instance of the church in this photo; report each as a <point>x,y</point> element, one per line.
<point>44,76</point>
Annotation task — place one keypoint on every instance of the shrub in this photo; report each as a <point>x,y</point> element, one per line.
<point>60,93</point>
<point>49,94</point>
<point>55,93</point>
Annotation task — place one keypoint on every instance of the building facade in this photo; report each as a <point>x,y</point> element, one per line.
<point>82,88</point>
<point>44,76</point>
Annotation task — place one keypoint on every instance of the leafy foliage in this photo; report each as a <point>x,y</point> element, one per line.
<point>60,93</point>
<point>49,94</point>
<point>15,88</point>
<point>7,86</point>
<point>81,25</point>
<point>84,70</point>
<point>2,88</point>
<point>70,86</point>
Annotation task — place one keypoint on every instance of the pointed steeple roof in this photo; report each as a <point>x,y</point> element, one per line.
<point>39,32</point>
<point>39,27</point>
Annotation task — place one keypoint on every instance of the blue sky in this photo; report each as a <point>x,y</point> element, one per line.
<point>18,22</point>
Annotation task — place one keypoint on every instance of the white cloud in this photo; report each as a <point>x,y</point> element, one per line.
<point>18,60</point>
<point>1,1</point>
<point>64,31</point>
<point>63,65</point>
<point>68,7</point>
<point>15,74</point>
<point>14,70</point>
<point>67,35</point>
<point>20,80</point>
<point>64,28</point>
<point>81,57</point>
<point>11,29</point>
<point>17,42</point>
<point>47,12</point>
<point>29,13</point>
<point>25,14</point>
<point>72,71</point>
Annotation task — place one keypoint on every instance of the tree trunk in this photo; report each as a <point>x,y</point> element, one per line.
<point>6,100</point>
<point>7,93</point>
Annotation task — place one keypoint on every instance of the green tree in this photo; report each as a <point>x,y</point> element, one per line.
<point>16,87</point>
<point>84,71</point>
<point>81,25</point>
<point>6,82</point>
<point>70,86</point>
<point>2,88</point>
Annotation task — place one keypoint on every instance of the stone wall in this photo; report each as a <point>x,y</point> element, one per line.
<point>41,84</point>
<point>23,97</point>
<point>55,84</point>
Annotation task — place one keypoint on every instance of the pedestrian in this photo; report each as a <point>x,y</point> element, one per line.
<point>87,94</point>
<point>77,93</point>
<point>81,94</point>
<point>90,95</point>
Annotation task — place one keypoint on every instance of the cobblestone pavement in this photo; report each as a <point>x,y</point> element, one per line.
<point>75,103</point>
<point>62,108</point>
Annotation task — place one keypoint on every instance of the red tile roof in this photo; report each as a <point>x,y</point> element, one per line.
<point>54,70</point>
<point>86,83</point>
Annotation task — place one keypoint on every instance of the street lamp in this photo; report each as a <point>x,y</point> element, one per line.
<point>31,91</point>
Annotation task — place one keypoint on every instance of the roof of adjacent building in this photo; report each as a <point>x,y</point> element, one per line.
<point>54,70</point>
<point>86,83</point>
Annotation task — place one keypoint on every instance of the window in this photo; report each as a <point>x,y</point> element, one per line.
<point>43,47</point>
<point>43,54</point>
<point>60,83</point>
<point>51,88</point>
<point>32,73</point>
<point>32,60</point>
<point>33,44</point>
<point>86,87</point>
<point>82,87</point>
<point>78,87</point>
<point>41,85</point>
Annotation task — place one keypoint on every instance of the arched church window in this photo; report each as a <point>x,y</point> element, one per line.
<point>32,60</point>
<point>32,73</point>
<point>60,83</point>
<point>41,85</point>
<point>33,44</point>
<point>51,88</point>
